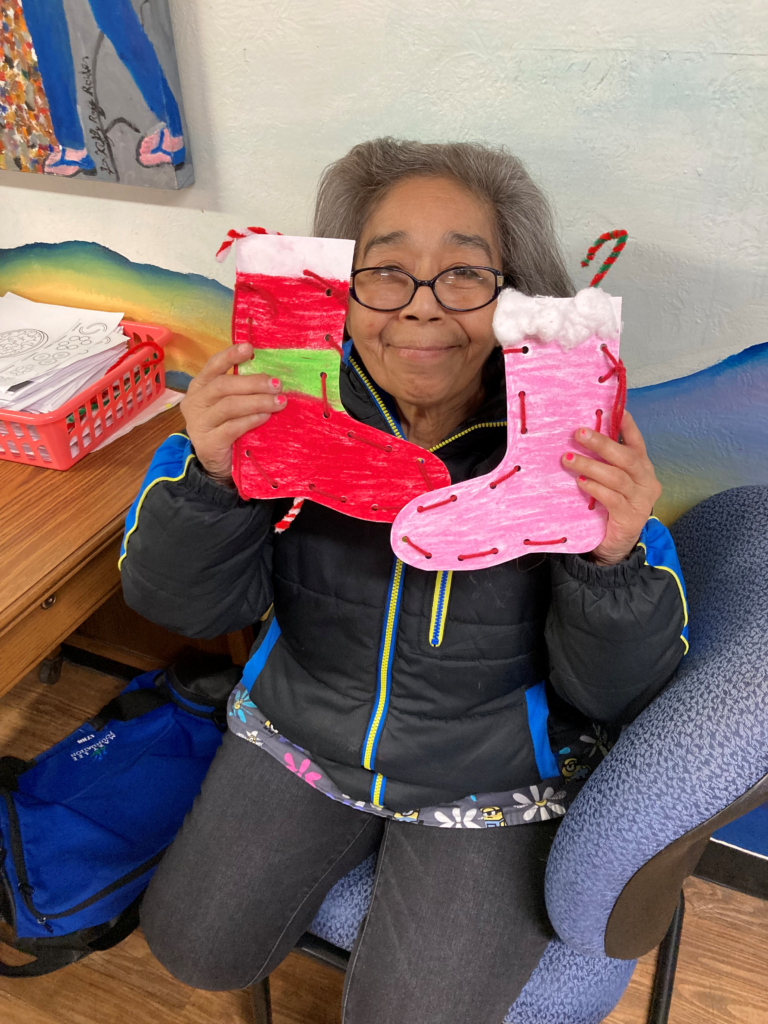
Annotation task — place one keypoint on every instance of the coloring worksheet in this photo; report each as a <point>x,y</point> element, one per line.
<point>36,338</point>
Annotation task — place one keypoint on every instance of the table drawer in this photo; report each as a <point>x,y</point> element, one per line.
<point>45,625</point>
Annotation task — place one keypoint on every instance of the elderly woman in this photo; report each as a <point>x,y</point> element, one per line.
<point>457,922</point>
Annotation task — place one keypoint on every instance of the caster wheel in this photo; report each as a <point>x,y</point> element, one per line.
<point>49,670</point>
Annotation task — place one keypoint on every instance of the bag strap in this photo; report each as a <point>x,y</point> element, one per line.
<point>127,706</point>
<point>120,927</point>
<point>10,770</point>
<point>53,958</point>
<point>48,960</point>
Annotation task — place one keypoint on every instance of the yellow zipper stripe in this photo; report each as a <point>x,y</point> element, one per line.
<point>376,796</point>
<point>396,429</point>
<point>440,606</point>
<point>385,665</point>
<point>382,408</point>
<point>477,426</point>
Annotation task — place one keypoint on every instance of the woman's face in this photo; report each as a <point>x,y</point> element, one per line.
<point>426,355</point>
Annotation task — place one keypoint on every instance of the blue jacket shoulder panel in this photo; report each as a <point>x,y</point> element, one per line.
<point>660,553</point>
<point>170,462</point>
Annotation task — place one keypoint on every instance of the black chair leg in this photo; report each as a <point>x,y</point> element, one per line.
<point>261,1003</point>
<point>666,965</point>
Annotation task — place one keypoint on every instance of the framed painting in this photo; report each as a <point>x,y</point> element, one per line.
<point>90,88</point>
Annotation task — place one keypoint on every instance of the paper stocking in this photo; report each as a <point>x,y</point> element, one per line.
<point>290,303</point>
<point>562,372</point>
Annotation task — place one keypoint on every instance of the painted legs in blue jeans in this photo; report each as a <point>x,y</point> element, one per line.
<point>457,921</point>
<point>118,21</point>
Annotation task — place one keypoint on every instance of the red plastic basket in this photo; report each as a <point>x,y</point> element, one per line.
<point>59,439</point>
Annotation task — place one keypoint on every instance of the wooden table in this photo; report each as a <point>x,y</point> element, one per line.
<point>60,536</point>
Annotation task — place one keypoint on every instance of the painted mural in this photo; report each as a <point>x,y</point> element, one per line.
<point>705,432</point>
<point>196,309</point>
<point>91,88</point>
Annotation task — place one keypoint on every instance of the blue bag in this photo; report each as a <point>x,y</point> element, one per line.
<point>84,825</point>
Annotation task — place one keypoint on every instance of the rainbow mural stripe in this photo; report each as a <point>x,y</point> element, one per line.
<point>705,432</point>
<point>196,309</point>
<point>708,431</point>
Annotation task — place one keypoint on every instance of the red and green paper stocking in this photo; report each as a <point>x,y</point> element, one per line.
<point>290,303</point>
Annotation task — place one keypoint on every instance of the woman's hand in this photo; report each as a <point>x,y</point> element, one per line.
<point>219,407</point>
<point>625,484</point>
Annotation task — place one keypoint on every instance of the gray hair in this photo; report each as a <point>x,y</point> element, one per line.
<point>351,188</point>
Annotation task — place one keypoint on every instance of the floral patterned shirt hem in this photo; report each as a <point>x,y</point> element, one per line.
<point>540,802</point>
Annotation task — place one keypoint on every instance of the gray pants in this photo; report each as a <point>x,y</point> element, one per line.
<point>456,925</point>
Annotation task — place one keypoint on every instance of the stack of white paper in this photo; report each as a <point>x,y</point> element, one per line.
<point>48,354</point>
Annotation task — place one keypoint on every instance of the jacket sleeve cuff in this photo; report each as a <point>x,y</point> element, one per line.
<point>208,490</point>
<point>606,577</point>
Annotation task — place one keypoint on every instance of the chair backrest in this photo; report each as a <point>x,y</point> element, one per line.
<point>699,746</point>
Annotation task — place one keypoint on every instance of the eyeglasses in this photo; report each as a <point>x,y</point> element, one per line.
<point>460,289</point>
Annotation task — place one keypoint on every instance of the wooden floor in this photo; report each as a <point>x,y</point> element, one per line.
<point>722,975</point>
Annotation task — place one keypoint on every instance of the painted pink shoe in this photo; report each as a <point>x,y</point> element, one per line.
<point>161,147</point>
<point>562,371</point>
<point>66,163</point>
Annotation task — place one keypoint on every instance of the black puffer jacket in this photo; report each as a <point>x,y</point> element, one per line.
<point>452,700</point>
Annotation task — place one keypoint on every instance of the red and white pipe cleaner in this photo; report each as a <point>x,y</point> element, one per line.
<point>289,516</point>
<point>232,237</point>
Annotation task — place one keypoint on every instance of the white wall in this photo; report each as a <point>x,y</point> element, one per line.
<point>645,114</point>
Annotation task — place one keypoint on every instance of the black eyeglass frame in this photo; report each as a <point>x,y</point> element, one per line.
<point>500,282</point>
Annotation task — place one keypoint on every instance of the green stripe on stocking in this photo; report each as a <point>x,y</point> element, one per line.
<point>299,369</point>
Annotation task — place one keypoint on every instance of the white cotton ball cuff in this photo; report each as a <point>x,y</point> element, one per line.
<point>290,256</point>
<point>570,322</point>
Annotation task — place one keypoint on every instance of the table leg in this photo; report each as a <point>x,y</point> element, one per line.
<point>49,669</point>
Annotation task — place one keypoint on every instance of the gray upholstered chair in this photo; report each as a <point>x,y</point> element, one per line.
<point>695,760</point>
<point>692,761</point>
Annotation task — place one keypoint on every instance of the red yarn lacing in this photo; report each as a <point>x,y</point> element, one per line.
<point>478,554</point>
<point>407,540</point>
<point>437,504</point>
<point>620,399</point>
<point>366,440</point>
<point>425,474</point>
<point>324,386</point>
<point>326,494</point>
<point>331,290</point>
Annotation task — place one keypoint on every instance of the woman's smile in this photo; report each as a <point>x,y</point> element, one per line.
<point>422,352</point>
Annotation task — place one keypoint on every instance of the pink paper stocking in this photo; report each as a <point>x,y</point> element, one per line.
<point>530,502</point>
<point>290,303</point>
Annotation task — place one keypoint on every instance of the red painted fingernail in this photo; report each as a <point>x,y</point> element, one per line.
<point>569,456</point>
<point>586,432</point>
<point>281,399</point>
<point>582,479</point>
<point>275,383</point>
